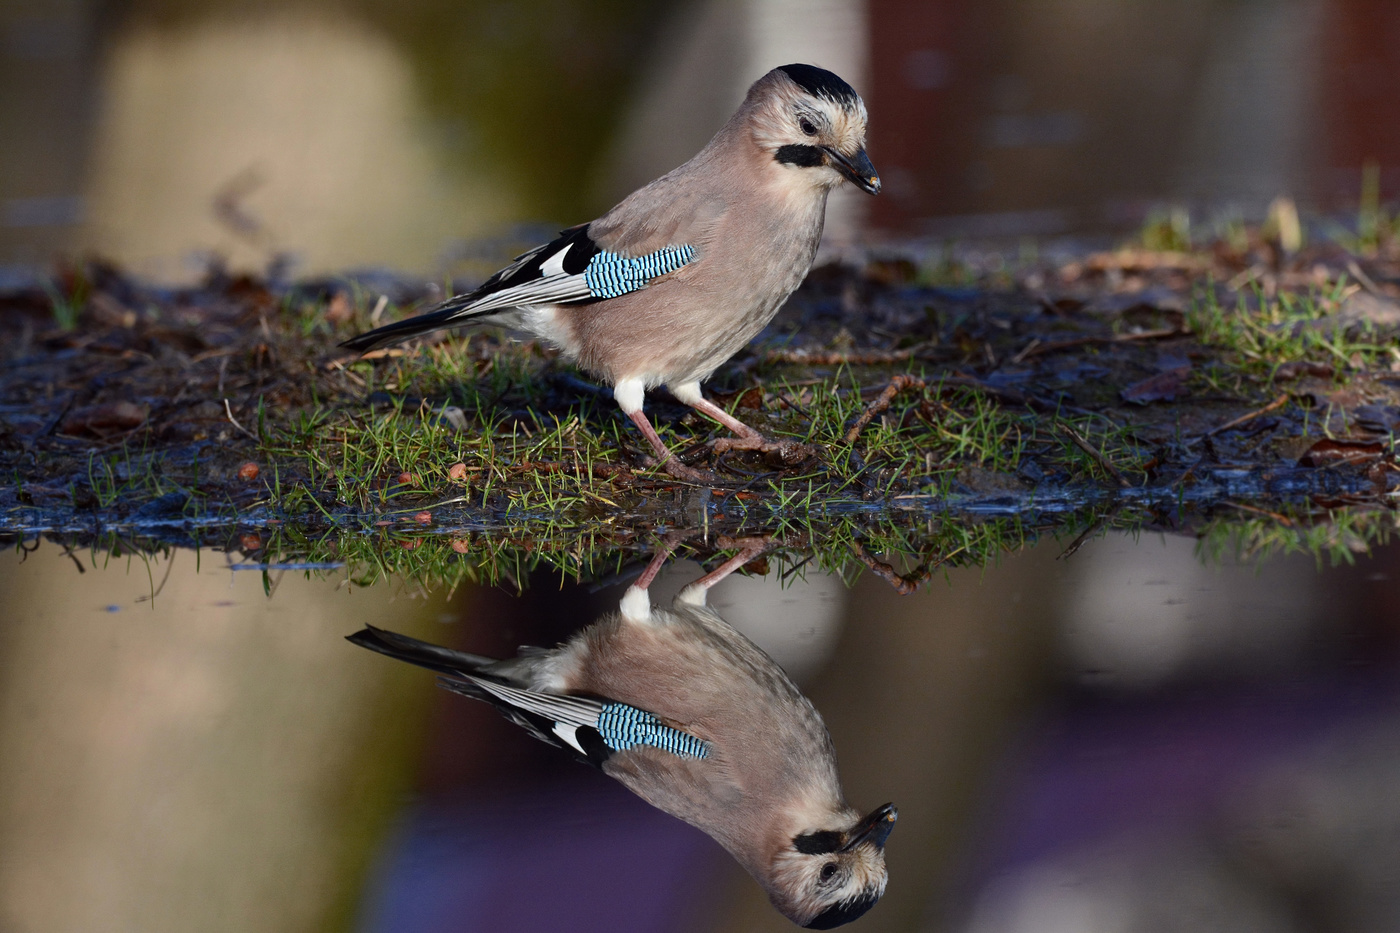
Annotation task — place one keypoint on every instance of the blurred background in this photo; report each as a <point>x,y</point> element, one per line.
<point>421,134</point>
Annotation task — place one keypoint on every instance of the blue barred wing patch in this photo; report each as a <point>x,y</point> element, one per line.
<point>609,275</point>
<point>623,727</point>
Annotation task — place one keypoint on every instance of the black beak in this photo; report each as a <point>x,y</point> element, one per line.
<point>874,829</point>
<point>857,168</point>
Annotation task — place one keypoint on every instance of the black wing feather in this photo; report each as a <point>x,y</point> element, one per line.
<point>403,648</point>
<point>524,270</point>
<point>464,676</point>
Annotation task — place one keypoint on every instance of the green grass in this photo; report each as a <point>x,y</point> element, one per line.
<point>1262,333</point>
<point>1331,537</point>
<point>523,469</point>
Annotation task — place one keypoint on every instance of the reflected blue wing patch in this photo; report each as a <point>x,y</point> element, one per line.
<point>623,727</point>
<point>609,275</point>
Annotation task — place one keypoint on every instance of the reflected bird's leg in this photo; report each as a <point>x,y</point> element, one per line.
<point>695,592</point>
<point>636,604</point>
<point>658,560</point>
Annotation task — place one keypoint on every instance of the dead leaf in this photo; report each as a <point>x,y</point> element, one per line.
<point>1330,452</point>
<point>104,420</point>
<point>1162,387</point>
<point>455,417</point>
<point>1377,419</point>
<point>1364,307</point>
<point>1296,368</point>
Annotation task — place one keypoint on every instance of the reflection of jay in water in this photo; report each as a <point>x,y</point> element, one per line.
<point>695,719</point>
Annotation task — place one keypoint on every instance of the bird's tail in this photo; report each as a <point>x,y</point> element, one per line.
<point>433,657</point>
<point>452,312</point>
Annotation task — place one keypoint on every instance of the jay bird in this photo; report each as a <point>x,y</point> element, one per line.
<point>685,271</point>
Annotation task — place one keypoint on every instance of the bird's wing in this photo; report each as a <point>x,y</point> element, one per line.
<point>593,729</point>
<point>573,268</point>
<point>570,269</point>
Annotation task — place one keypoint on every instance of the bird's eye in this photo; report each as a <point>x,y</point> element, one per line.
<point>828,871</point>
<point>808,126</point>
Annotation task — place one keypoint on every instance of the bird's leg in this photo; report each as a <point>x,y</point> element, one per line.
<point>636,602</point>
<point>630,393</point>
<point>658,560</point>
<point>695,592</point>
<point>747,438</point>
<point>667,460</point>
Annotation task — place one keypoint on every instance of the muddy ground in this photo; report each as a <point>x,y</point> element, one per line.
<point>959,403</point>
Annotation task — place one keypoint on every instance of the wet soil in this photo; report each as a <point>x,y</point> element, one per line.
<point>150,415</point>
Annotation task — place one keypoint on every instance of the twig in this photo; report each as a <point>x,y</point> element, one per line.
<point>1025,351</point>
<point>1366,281</point>
<point>904,584</point>
<point>234,421</point>
<point>1244,419</point>
<point>1092,451</point>
<point>897,384</point>
<point>1283,520</point>
<point>337,364</point>
<point>385,353</point>
<point>1082,538</point>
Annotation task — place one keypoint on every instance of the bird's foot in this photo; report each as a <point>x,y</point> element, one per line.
<point>786,451</point>
<point>673,466</point>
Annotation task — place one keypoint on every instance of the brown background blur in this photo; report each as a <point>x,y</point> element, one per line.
<point>365,132</point>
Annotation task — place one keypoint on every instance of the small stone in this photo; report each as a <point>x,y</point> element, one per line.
<point>250,542</point>
<point>461,545</point>
<point>248,471</point>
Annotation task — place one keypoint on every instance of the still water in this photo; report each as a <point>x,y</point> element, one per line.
<point>1130,738</point>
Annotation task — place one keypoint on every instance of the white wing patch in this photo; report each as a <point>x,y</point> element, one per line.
<point>569,734</point>
<point>554,265</point>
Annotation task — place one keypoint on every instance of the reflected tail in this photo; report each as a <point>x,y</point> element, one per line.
<point>421,653</point>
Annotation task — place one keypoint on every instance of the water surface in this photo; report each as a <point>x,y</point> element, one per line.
<point>1126,737</point>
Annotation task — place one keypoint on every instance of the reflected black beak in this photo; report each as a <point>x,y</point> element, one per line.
<point>857,168</point>
<point>874,829</point>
